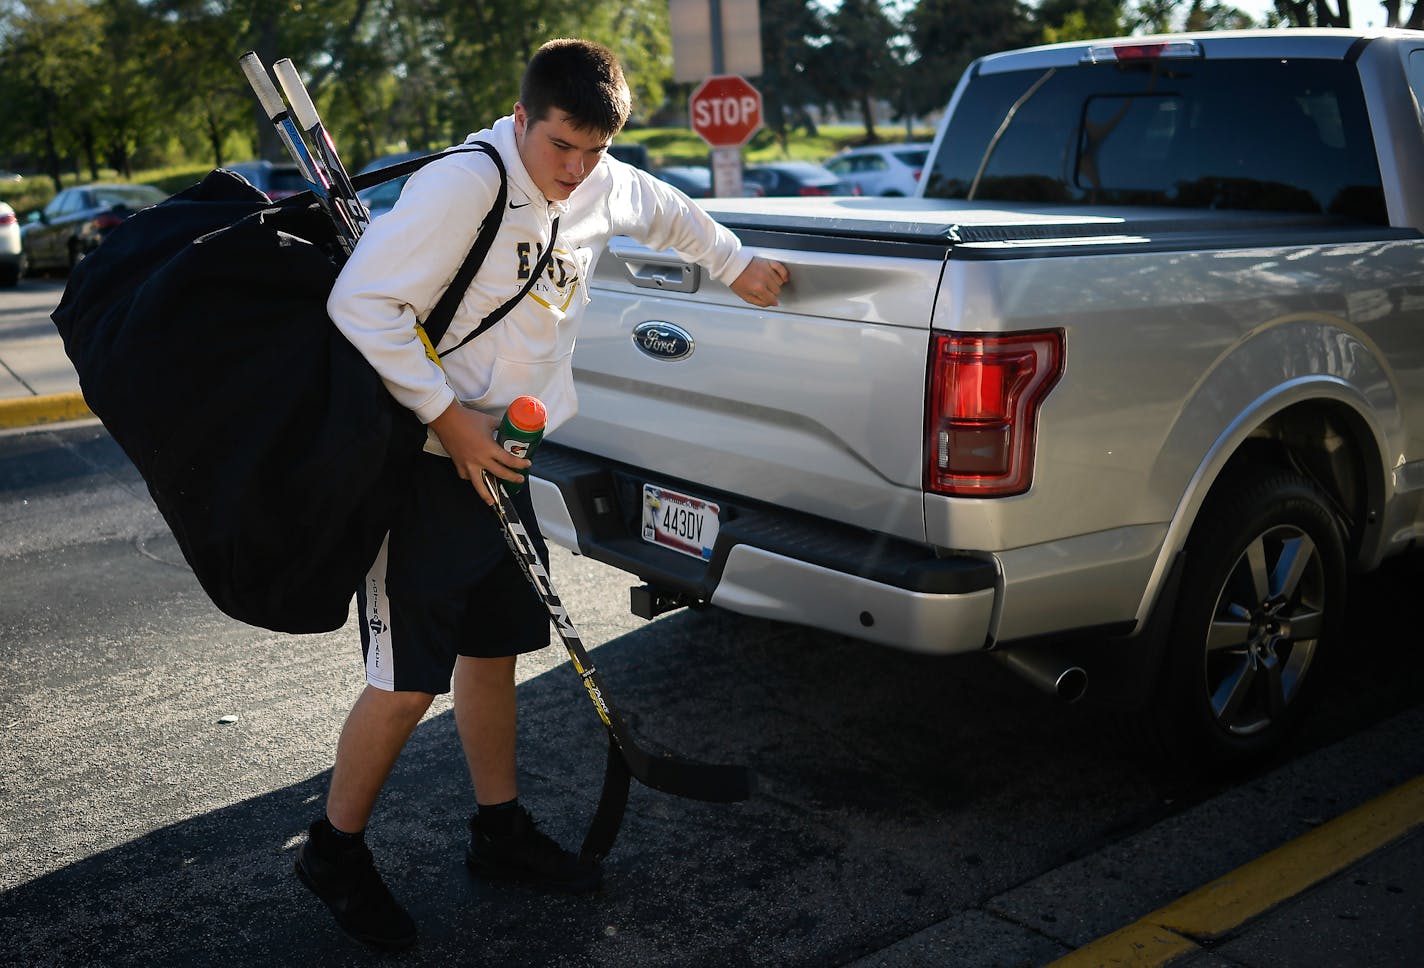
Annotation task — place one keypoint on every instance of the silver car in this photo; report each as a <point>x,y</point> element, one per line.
<point>882,169</point>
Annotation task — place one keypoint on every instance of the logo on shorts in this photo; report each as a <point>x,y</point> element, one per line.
<point>376,626</point>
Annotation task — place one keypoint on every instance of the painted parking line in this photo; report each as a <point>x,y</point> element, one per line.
<point>45,409</point>
<point>1212,911</point>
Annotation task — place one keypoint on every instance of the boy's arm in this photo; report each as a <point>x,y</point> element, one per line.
<point>404,263</point>
<point>662,217</point>
<point>761,281</point>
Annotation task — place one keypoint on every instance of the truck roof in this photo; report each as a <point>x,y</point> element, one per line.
<point>1332,43</point>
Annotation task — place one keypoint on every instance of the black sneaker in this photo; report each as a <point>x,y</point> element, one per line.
<point>530,857</point>
<point>350,886</point>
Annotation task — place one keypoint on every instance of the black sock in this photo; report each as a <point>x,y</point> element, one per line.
<point>497,819</point>
<point>329,840</point>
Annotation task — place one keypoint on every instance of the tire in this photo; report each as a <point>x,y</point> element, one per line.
<point>1263,593</point>
<point>11,275</point>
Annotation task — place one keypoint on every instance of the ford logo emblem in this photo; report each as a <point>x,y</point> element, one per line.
<point>662,341</point>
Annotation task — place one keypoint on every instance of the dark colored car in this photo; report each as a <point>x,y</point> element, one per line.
<point>381,198</point>
<point>633,153</point>
<point>692,180</point>
<point>77,219</point>
<point>695,181</point>
<point>796,178</point>
<point>273,178</point>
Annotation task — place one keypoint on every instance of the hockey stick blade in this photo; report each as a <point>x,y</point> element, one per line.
<point>710,782</point>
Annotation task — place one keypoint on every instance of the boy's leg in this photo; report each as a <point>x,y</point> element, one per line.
<point>335,862</point>
<point>505,842</point>
<point>375,732</point>
<point>486,717</point>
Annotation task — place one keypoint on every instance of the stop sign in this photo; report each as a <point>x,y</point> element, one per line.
<point>725,110</point>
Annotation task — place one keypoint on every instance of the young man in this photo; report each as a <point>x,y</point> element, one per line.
<point>445,598</point>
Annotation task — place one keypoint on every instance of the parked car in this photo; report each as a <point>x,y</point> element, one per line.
<point>77,219</point>
<point>274,179</point>
<point>881,169</point>
<point>381,198</point>
<point>695,181</point>
<point>796,178</point>
<point>12,253</point>
<point>633,153</point>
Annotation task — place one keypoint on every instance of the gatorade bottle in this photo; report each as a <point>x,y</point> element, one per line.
<point>521,430</point>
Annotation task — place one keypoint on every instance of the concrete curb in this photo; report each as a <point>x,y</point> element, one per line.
<point>46,409</point>
<point>1210,912</point>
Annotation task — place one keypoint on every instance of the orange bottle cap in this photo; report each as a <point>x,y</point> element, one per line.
<point>528,414</point>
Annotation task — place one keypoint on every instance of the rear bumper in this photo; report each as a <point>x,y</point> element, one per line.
<point>769,562</point>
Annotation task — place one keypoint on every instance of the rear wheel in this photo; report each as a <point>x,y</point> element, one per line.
<point>1262,592</point>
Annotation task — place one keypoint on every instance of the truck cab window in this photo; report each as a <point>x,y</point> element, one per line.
<point>1211,134</point>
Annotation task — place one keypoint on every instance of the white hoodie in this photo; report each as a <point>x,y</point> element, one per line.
<point>408,257</point>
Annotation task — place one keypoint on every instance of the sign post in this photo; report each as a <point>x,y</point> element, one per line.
<point>725,112</point>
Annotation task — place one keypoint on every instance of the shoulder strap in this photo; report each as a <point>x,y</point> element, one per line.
<point>439,320</point>
<point>503,310</point>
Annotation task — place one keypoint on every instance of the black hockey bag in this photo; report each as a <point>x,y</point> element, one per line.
<point>271,447</point>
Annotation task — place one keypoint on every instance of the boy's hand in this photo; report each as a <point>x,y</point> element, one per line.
<point>761,281</point>
<point>468,437</point>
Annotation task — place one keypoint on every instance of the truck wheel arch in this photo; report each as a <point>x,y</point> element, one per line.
<point>1322,427</point>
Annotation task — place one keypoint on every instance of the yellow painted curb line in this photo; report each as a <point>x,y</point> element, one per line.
<point>51,408</point>
<point>1228,902</point>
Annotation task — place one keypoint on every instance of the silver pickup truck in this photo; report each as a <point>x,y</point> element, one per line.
<point>1121,398</point>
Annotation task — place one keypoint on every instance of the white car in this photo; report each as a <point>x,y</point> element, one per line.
<point>12,254</point>
<point>882,169</point>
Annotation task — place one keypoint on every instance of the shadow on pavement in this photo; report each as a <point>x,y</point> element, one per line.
<point>868,764</point>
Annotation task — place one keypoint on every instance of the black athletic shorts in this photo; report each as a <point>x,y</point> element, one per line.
<point>446,584</point>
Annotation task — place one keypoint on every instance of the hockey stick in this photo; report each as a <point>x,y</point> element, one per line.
<point>310,122</point>
<point>346,231</point>
<point>681,777</point>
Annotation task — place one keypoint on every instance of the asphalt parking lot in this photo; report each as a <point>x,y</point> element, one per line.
<point>159,764</point>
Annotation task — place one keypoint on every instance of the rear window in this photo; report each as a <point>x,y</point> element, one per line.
<point>1287,135</point>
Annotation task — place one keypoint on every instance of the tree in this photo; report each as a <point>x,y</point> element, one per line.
<point>860,35</point>
<point>1063,20</point>
<point>1416,15</point>
<point>1164,16</point>
<point>49,48</point>
<point>1313,13</point>
<point>947,35</point>
<point>793,43</point>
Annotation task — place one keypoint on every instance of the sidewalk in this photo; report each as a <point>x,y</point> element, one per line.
<point>38,384</point>
<point>1348,893</point>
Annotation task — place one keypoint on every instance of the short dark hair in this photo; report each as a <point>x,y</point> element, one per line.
<point>581,78</point>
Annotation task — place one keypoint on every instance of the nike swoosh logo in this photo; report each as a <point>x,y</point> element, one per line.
<point>512,205</point>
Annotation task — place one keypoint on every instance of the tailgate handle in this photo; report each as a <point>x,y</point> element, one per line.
<point>658,270</point>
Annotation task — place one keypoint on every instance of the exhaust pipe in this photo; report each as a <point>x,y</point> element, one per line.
<point>1046,669</point>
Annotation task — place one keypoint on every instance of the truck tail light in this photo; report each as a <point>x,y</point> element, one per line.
<point>984,395</point>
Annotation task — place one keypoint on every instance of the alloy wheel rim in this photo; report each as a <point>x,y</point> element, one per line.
<point>1265,629</point>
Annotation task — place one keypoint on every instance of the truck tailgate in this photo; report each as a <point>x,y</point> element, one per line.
<point>774,405</point>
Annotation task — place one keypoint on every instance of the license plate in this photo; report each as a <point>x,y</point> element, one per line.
<point>679,521</point>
